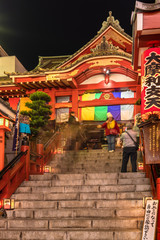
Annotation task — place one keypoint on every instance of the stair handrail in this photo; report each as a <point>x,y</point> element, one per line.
<point>12,163</point>
<point>15,172</point>
<point>36,154</point>
<point>50,147</point>
<point>51,139</point>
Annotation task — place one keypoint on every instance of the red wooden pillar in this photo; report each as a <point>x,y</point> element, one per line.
<point>53,101</point>
<point>75,101</point>
<point>51,93</point>
<point>2,144</point>
<point>40,152</point>
<point>137,108</point>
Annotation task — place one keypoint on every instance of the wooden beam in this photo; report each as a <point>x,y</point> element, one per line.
<point>65,82</point>
<point>75,101</point>
<point>34,85</point>
<point>110,85</point>
<point>60,84</point>
<point>97,102</point>
<point>37,85</point>
<point>27,86</point>
<point>116,101</point>
<point>72,82</point>
<point>63,93</point>
<point>9,88</point>
<point>29,79</point>
<point>43,84</point>
<point>63,105</point>
<point>52,85</point>
<point>21,86</point>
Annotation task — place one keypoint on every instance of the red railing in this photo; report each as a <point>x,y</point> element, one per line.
<point>15,172</point>
<point>21,167</point>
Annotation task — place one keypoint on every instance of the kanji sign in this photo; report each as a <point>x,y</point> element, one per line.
<point>152,143</point>
<point>150,221</point>
<point>150,84</point>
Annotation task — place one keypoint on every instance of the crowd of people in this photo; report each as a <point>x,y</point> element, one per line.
<point>129,138</point>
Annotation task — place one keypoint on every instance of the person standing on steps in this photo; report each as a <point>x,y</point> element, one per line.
<point>111,130</point>
<point>73,127</point>
<point>129,148</point>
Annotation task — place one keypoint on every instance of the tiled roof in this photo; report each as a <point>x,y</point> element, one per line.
<point>147,7</point>
<point>5,81</point>
<point>47,63</point>
<point>7,105</point>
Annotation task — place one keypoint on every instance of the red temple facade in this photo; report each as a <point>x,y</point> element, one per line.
<point>96,79</point>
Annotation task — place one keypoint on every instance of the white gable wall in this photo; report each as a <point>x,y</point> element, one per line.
<point>113,76</point>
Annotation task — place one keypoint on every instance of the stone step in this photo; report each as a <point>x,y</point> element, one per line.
<point>134,234</point>
<point>87,179</point>
<point>87,160</point>
<point>87,201</point>
<point>35,204</point>
<point>76,213</point>
<point>49,224</point>
<point>98,165</point>
<point>90,152</point>
<point>105,204</point>
<point>121,192</point>
<point>83,189</point>
<point>87,170</point>
<point>44,177</point>
<point>105,235</point>
<point>128,195</point>
<point>46,183</point>
<point>49,176</point>
<point>140,181</point>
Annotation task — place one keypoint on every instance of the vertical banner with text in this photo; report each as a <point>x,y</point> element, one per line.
<point>150,83</point>
<point>16,131</point>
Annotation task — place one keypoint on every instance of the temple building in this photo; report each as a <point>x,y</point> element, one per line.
<point>97,79</point>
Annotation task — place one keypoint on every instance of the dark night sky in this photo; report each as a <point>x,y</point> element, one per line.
<point>32,28</point>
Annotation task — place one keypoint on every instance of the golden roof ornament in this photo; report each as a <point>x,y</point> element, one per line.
<point>105,48</point>
<point>114,23</point>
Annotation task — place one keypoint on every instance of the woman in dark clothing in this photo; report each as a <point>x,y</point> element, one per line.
<point>73,125</point>
<point>111,130</point>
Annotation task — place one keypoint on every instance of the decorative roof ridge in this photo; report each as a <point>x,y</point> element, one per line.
<point>114,23</point>
<point>98,54</point>
<point>110,21</point>
<point>54,56</point>
<point>105,46</point>
<point>140,6</point>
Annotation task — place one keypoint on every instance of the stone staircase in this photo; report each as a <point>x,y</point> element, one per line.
<point>88,161</point>
<point>87,202</point>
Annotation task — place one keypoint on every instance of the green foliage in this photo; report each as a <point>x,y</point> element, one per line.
<point>40,111</point>
<point>40,96</point>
